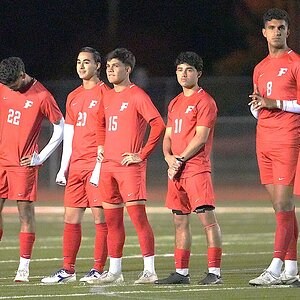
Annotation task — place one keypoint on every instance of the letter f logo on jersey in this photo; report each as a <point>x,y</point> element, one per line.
<point>282,71</point>
<point>28,103</point>
<point>189,108</point>
<point>93,103</point>
<point>124,106</point>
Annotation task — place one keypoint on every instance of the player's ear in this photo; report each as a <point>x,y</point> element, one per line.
<point>199,74</point>
<point>264,32</point>
<point>98,66</point>
<point>128,69</point>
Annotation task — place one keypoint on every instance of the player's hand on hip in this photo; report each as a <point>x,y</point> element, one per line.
<point>25,161</point>
<point>130,158</point>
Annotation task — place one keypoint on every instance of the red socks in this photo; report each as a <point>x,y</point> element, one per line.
<point>214,256</point>
<point>138,216</point>
<point>116,234</point>
<point>182,258</point>
<point>284,233</point>
<point>100,250</point>
<point>71,244</point>
<point>26,244</point>
<point>1,233</point>
<point>291,253</point>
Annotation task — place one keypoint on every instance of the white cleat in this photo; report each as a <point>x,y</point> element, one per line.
<point>108,277</point>
<point>22,275</point>
<point>288,279</point>
<point>266,278</point>
<point>146,277</point>
<point>91,275</point>
<point>61,276</point>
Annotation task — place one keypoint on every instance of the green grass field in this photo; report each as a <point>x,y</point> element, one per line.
<point>247,228</point>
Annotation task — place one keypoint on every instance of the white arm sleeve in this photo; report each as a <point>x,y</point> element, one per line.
<point>254,112</point>
<point>66,155</point>
<point>94,180</point>
<point>57,137</point>
<point>290,106</point>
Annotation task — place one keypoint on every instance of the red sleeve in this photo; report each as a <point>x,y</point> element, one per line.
<point>100,130</point>
<point>157,127</point>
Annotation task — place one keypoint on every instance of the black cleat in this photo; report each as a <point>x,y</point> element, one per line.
<point>211,279</point>
<point>174,278</point>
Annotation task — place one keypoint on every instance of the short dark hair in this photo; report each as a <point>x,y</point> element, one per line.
<point>277,14</point>
<point>11,69</point>
<point>96,56</point>
<point>123,55</point>
<point>190,58</point>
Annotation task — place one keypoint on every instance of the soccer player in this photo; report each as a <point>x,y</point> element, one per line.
<point>78,160</point>
<point>123,117</point>
<point>187,146</point>
<point>24,103</point>
<point>276,82</point>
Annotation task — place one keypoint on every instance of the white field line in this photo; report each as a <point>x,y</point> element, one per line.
<point>136,256</point>
<point>150,210</point>
<point>101,290</point>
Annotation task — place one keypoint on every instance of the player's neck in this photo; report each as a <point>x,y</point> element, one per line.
<point>119,87</point>
<point>277,52</point>
<point>89,84</point>
<point>188,91</point>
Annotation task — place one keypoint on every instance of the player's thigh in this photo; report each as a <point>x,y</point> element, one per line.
<point>284,164</point>
<point>75,194</point>
<point>264,165</point>
<point>177,198</point>
<point>132,184</point>
<point>200,191</point>
<point>3,184</point>
<point>22,183</point>
<point>109,189</point>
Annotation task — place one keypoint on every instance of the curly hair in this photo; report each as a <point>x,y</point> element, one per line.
<point>190,58</point>
<point>11,69</point>
<point>277,14</point>
<point>123,55</point>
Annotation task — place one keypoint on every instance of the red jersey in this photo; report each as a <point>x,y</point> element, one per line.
<point>125,116</point>
<point>21,116</point>
<point>278,79</point>
<point>82,112</point>
<point>184,115</point>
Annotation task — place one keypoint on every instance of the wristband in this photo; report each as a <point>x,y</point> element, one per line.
<point>278,104</point>
<point>181,159</point>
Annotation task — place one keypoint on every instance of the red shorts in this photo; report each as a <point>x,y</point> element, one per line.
<point>277,163</point>
<point>18,183</point>
<point>186,194</point>
<point>297,178</point>
<point>79,191</point>
<point>125,185</point>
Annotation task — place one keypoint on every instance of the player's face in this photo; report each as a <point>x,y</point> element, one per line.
<point>187,75</point>
<point>276,33</point>
<point>116,71</point>
<point>86,66</point>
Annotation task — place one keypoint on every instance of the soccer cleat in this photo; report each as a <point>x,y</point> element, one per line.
<point>22,275</point>
<point>287,279</point>
<point>146,277</point>
<point>93,274</point>
<point>174,278</point>
<point>211,278</point>
<point>107,277</point>
<point>266,278</point>
<point>61,276</point>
